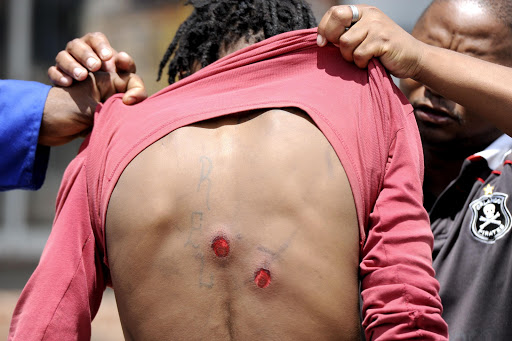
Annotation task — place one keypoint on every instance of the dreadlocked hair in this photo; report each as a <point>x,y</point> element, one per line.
<point>218,24</point>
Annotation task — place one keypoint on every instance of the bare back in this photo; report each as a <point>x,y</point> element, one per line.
<point>237,228</point>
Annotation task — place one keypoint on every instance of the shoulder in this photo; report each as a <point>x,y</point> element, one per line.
<point>385,91</point>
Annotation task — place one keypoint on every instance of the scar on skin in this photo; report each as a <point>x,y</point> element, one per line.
<point>262,278</point>
<point>220,246</point>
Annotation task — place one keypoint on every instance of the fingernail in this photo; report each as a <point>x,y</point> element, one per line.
<point>63,81</point>
<point>130,100</point>
<point>320,40</point>
<point>106,53</point>
<point>78,72</point>
<point>91,62</point>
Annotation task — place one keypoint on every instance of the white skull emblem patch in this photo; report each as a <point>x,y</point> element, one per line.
<point>491,217</point>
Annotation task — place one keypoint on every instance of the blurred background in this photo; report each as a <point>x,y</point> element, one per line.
<point>32,32</point>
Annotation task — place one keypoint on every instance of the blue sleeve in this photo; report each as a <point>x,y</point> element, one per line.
<point>23,162</point>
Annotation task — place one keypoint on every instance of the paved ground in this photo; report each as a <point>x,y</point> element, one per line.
<point>105,327</point>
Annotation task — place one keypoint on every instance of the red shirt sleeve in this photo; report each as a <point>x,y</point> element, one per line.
<point>64,293</point>
<point>399,291</point>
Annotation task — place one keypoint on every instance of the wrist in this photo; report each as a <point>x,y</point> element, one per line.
<point>67,112</point>
<point>423,56</point>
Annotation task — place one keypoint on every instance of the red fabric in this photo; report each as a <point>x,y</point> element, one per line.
<point>362,114</point>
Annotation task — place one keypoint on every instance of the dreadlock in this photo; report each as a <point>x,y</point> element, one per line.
<point>218,24</point>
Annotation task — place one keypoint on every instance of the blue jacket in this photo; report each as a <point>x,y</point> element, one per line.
<point>23,162</point>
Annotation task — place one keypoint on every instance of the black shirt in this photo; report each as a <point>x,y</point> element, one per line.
<point>471,221</point>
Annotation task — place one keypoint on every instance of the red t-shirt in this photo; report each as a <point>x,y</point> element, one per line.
<point>362,114</point>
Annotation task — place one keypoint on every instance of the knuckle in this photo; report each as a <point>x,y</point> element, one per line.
<point>344,41</point>
<point>71,44</point>
<point>371,9</point>
<point>347,55</point>
<point>375,23</point>
<point>60,56</point>
<point>383,37</point>
<point>361,59</point>
<point>332,9</point>
<point>97,35</point>
<point>359,55</point>
<point>338,12</point>
<point>359,62</point>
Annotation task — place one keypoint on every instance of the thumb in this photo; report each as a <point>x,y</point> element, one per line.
<point>135,89</point>
<point>109,83</point>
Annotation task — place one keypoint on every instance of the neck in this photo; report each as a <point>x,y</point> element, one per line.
<point>443,160</point>
<point>440,169</point>
<point>442,165</point>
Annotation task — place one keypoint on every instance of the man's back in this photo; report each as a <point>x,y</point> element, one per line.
<point>241,227</point>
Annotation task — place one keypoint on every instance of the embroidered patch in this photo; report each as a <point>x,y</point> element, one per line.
<point>491,217</point>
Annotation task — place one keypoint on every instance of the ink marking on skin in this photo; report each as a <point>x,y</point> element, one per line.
<point>262,278</point>
<point>206,169</point>
<point>277,254</point>
<point>196,224</point>
<point>264,249</point>
<point>220,246</point>
<point>209,285</point>
<point>287,243</point>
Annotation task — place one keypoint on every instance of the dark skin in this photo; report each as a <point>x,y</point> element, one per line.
<point>205,180</point>
<point>70,105</point>
<point>69,111</point>
<point>451,132</point>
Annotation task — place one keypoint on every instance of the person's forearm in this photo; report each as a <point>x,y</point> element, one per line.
<point>482,87</point>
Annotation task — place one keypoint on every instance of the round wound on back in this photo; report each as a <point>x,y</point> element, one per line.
<point>220,246</point>
<point>262,278</point>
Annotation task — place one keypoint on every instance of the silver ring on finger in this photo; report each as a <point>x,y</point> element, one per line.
<point>355,14</point>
